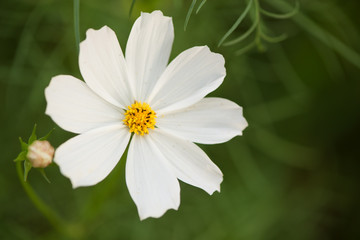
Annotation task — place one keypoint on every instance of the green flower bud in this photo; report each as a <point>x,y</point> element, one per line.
<point>40,154</point>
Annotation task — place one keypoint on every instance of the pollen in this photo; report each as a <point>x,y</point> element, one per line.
<point>139,118</point>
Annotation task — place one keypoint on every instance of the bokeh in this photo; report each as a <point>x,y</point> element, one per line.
<point>294,174</point>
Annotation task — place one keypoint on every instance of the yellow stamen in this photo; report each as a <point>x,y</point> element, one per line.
<point>139,117</point>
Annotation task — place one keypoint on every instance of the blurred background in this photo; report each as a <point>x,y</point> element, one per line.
<point>294,174</point>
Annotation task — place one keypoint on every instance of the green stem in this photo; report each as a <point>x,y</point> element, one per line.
<point>48,213</point>
<point>77,23</point>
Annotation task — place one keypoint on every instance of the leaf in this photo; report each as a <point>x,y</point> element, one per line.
<point>47,135</point>
<point>283,15</point>
<point>20,157</point>
<point>200,6</point>
<point>189,14</point>
<point>32,138</point>
<point>27,168</point>
<point>320,33</point>
<point>42,171</point>
<point>277,39</point>
<point>237,23</point>
<point>245,49</point>
<point>244,36</point>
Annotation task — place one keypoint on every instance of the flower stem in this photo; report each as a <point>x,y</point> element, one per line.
<point>48,213</point>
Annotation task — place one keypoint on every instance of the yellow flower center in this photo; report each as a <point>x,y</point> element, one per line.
<point>139,117</point>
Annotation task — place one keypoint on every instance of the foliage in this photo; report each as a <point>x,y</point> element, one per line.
<point>294,173</point>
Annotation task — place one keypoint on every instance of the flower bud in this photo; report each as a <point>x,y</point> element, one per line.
<point>40,154</point>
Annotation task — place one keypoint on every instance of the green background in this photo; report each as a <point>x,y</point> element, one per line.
<point>294,174</point>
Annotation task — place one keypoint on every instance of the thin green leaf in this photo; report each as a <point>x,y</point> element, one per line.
<point>47,135</point>
<point>237,23</point>
<point>131,7</point>
<point>23,144</point>
<point>32,138</point>
<point>245,49</point>
<point>200,6</point>
<point>284,15</point>
<point>77,23</point>
<point>189,14</point>
<point>20,157</point>
<point>27,168</point>
<point>277,39</point>
<point>244,36</point>
<point>318,32</point>
<point>42,171</point>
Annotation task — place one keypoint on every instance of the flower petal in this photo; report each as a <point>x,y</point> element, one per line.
<point>190,164</point>
<point>151,183</point>
<point>212,120</point>
<point>103,66</point>
<point>148,51</point>
<point>76,108</point>
<point>188,78</point>
<point>88,158</point>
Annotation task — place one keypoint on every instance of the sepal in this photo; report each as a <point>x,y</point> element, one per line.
<point>47,135</point>
<point>30,157</point>
<point>42,171</point>
<point>21,157</point>
<point>23,144</point>
<point>32,138</point>
<point>27,168</point>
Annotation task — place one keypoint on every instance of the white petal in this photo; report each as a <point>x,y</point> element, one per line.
<point>188,78</point>
<point>212,120</point>
<point>88,158</point>
<point>76,108</point>
<point>103,66</point>
<point>189,162</point>
<point>148,51</point>
<point>151,183</point>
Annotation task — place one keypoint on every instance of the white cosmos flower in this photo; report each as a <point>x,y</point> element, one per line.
<point>162,106</point>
